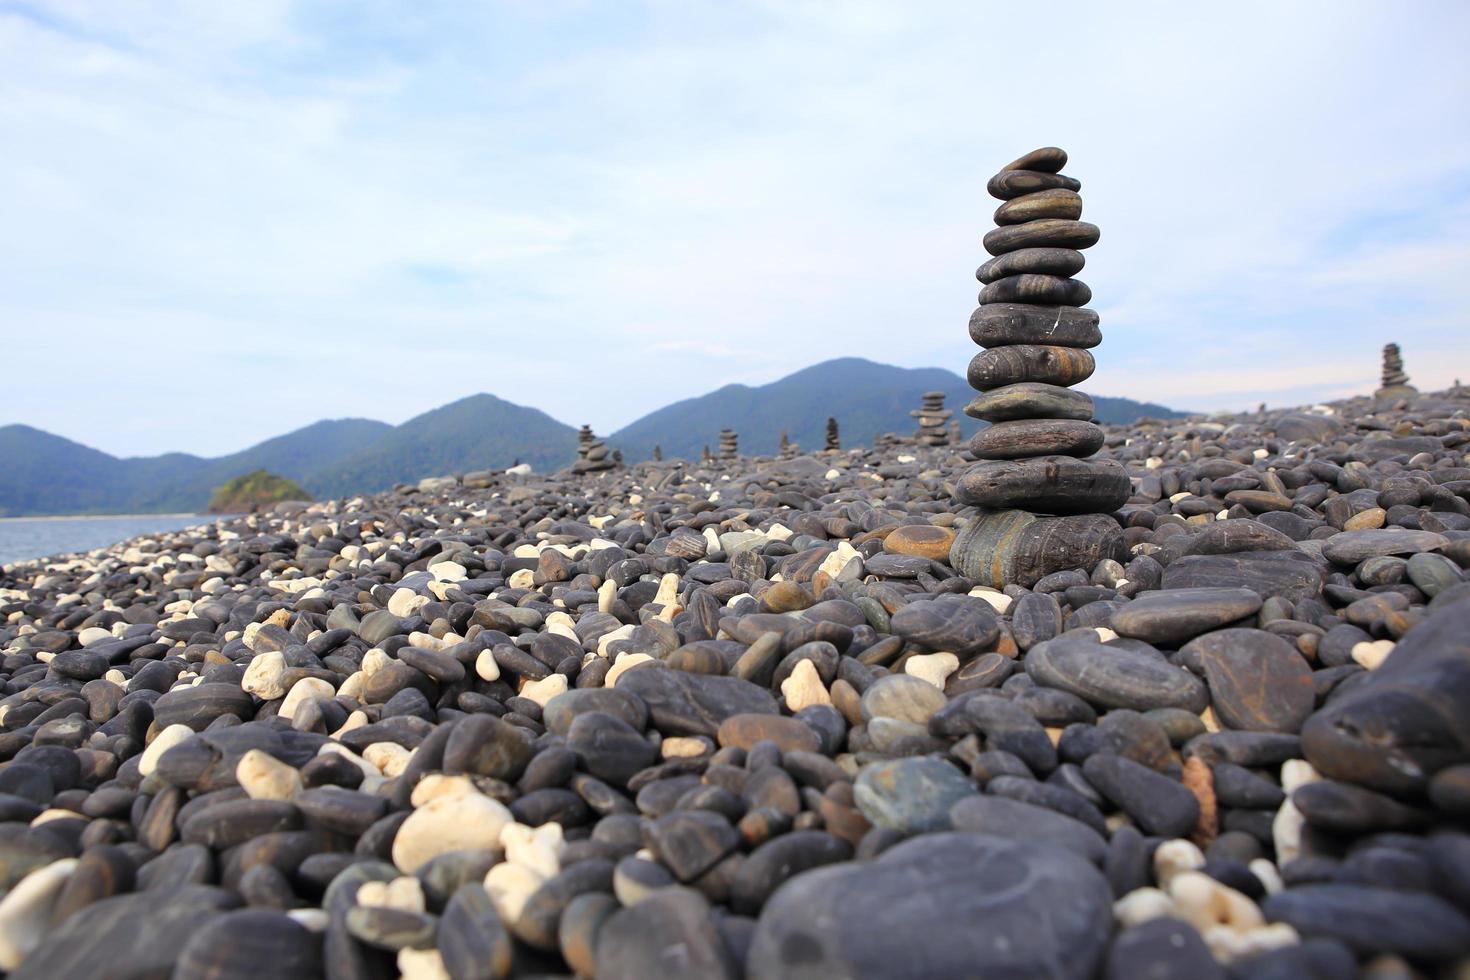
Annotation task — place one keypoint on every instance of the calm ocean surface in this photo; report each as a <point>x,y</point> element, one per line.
<point>39,537</point>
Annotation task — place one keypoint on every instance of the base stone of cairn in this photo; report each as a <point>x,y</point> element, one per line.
<point>729,444</point>
<point>592,455</point>
<point>1395,380</point>
<point>932,415</point>
<point>834,441</point>
<point>1043,504</point>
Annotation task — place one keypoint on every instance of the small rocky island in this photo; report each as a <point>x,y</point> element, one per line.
<point>254,490</point>
<point>1184,698</point>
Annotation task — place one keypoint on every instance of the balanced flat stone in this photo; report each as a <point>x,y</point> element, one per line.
<point>1048,484</point>
<point>1057,202</point>
<point>1015,546</point>
<point>1018,363</point>
<point>1046,261</point>
<point>999,324</point>
<point>1030,400</point>
<point>1032,288</point>
<point>1024,438</point>
<point>959,894</point>
<point>1010,184</point>
<point>1258,682</point>
<point>1175,616</point>
<point>1046,233</point>
<point>1047,159</point>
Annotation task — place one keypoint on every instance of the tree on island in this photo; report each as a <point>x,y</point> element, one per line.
<point>252,490</point>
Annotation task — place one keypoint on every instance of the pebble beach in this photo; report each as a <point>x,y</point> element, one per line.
<point>743,717</point>
<point>1183,698</point>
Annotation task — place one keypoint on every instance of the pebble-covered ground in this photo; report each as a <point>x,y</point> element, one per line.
<point>743,718</point>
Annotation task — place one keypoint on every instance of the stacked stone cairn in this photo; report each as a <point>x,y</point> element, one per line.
<point>592,453</point>
<point>787,449</point>
<point>1395,380</point>
<point>834,440</point>
<point>932,415</point>
<point>954,432</point>
<point>729,444</point>
<point>658,453</point>
<point>1042,504</point>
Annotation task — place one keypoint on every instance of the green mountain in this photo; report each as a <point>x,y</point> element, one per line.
<point>41,473</point>
<point>474,433</point>
<point>866,398</point>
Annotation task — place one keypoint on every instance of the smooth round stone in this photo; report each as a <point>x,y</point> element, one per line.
<point>472,940</point>
<point>488,746</point>
<point>1047,159</point>
<point>961,626</point>
<point>1307,428</point>
<point>1291,575</point>
<point>1236,535</point>
<point>1430,572</point>
<point>744,731</point>
<point>1404,721</point>
<point>1024,438</point>
<point>959,893</point>
<point>197,706</point>
<point>920,541</point>
<point>1056,202</point>
<point>690,842</point>
<point>1062,262</point>
<point>1347,809</point>
<point>1352,547</point>
<point>1158,949</point>
<point>999,324</point>
<point>609,748</point>
<point>911,795</point>
<point>1156,803</point>
<point>563,709</point>
<point>1047,364</point>
<point>1258,681</point>
<point>902,697</point>
<point>578,930</point>
<point>671,933</point>
<point>777,861</point>
<point>1049,484</point>
<point>134,935</point>
<point>1177,615</point>
<point>1010,184</point>
<point>1114,677</point>
<point>251,943</point>
<point>1374,920</point>
<point>1015,547</point>
<point>1030,400</point>
<point>1036,288</point>
<point>1047,233</point>
<point>694,704</point>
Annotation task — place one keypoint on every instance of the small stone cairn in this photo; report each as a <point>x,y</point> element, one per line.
<point>658,453</point>
<point>1043,505</point>
<point>834,440</point>
<point>787,449</point>
<point>1395,381</point>
<point>592,454</point>
<point>729,444</point>
<point>932,415</point>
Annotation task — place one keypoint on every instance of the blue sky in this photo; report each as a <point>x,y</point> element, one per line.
<point>220,221</point>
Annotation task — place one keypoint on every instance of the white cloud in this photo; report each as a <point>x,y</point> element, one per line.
<point>384,208</point>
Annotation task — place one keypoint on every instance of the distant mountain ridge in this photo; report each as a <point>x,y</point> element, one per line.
<point>42,473</point>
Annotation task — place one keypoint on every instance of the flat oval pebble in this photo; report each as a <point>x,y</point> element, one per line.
<point>1063,262</point>
<point>1258,681</point>
<point>1033,287</point>
<point>1114,677</point>
<point>1048,484</point>
<point>1046,233</point>
<point>948,882</point>
<point>1057,202</point>
<point>1177,615</point>
<point>999,324</point>
<point>1010,184</point>
<point>1028,400</point>
<point>1047,364</point>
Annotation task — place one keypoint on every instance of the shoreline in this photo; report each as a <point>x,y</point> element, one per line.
<point>108,517</point>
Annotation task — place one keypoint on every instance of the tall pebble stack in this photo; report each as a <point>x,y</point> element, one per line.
<point>1037,335</point>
